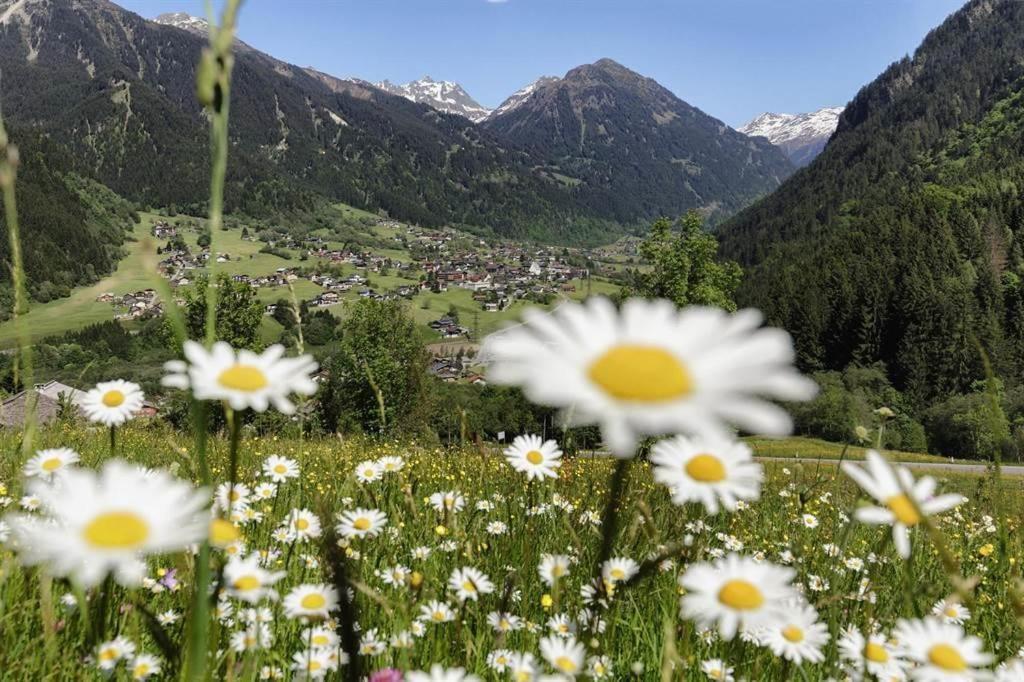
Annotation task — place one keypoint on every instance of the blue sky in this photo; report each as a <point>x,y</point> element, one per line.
<point>732,58</point>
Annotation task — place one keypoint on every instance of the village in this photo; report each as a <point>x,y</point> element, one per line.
<point>435,260</point>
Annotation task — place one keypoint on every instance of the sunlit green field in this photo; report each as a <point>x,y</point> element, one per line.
<point>847,570</point>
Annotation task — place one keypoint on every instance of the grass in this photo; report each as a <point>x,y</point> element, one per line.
<point>638,617</point>
<point>815,448</point>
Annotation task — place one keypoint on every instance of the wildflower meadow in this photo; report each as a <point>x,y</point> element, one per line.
<point>129,550</point>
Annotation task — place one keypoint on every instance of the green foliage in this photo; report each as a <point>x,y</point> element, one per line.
<point>378,380</point>
<point>684,267</point>
<point>239,312</point>
<point>901,243</point>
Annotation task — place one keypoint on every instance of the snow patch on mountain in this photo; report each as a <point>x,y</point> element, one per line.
<point>521,95</point>
<point>445,96</point>
<point>800,136</point>
<point>184,21</point>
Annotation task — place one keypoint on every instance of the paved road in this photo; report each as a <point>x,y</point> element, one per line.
<point>1008,470</point>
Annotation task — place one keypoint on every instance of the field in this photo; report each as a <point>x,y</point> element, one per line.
<point>848,571</point>
<point>132,274</point>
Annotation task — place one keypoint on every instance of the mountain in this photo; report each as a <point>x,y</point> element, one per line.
<point>444,96</point>
<point>635,149</point>
<point>901,243</point>
<point>800,136</point>
<point>521,95</point>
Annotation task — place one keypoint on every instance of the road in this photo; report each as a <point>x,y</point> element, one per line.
<point>1008,469</point>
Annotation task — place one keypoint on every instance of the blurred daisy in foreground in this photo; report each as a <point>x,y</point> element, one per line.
<point>48,463</point>
<point>942,651</point>
<point>93,524</point>
<point>736,592</point>
<point>553,567</point>
<point>246,580</point>
<point>441,674</point>
<point>310,601</point>
<point>797,636</point>
<point>716,669</point>
<point>242,378</point>
<point>534,457</point>
<point>904,500</point>
<point>112,403</point>
<point>312,664</point>
<point>1010,671</point>
<point>565,655</point>
<point>873,655</point>
<point>716,472</point>
<point>109,654</point>
<point>651,369</point>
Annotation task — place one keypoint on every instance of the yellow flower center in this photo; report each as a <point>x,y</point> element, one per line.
<point>641,373</point>
<point>141,670</point>
<point>116,530</point>
<point>903,509</point>
<point>314,666</point>
<point>793,634</point>
<point>223,532</point>
<point>876,653</point>
<point>705,468</point>
<point>617,573</point>
<point>362,523</point>
<point>113,398</point>
<point>438,615</point>
<point>313,601</point>
<point>280,469</point>
<point>565,664</point>
<point>246,583</point>
<point>468,586</point>
<point>301,524</point>
<point>946,656</point>
<point>243,378</point>
<point>109,654</point>
<point>52,464</point>
<point>557,570</point>
<point>319,640</point>
<point>534,457</point>
<point>951,612</point>
<point>740,595</point>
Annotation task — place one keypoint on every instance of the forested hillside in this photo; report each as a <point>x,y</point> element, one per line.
<point>901,242</point>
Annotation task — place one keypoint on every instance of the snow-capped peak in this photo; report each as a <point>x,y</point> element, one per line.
<point>184,21</point>
<point>801,136</point>
<point>445,96</point>
<point>521,95</point>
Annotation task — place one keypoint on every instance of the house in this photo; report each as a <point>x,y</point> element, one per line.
<point>51,399</point>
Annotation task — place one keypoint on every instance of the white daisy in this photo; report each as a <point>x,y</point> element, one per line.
<point>242,378</point>
<point>94,523</point>
<point>361,523</point>
<point>436,612</point>
<point>942,651</point>
<point>440,674</point>
<point>873,655</point>
<point>303,525</point>
<point>254,637</point>
<point>565,655</point>
<point>391,464</point>
<point>711,471</point>
<point>522,666</point>
<point>312,664</point>
<point>951,611</point>
<point>232,497</point>
<point>499,659</point>
<point>246,580</point>
<point>619,569</point>
<point>279,469</point>
<point>369,472</point>
<point>310,601</point>
<point>504,622</point>
<point>112,403</point>
<point>534,457</point>
<point>48,463</point>
<point>716,669</point>
<point>264,491</point>
<point>1010,671</point>
<point>469,583</point>
<point>448,501</point>
<point>797,635</point>
<point>109,654</point>
<point>321,637</point>
<point>904,499</point>
<point>553,567</point>
<point>144,666</point>
<point>736,592</point>
<point>651,369</point>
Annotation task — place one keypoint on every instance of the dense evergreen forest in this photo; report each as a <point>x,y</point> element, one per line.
<point>900,244</point>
